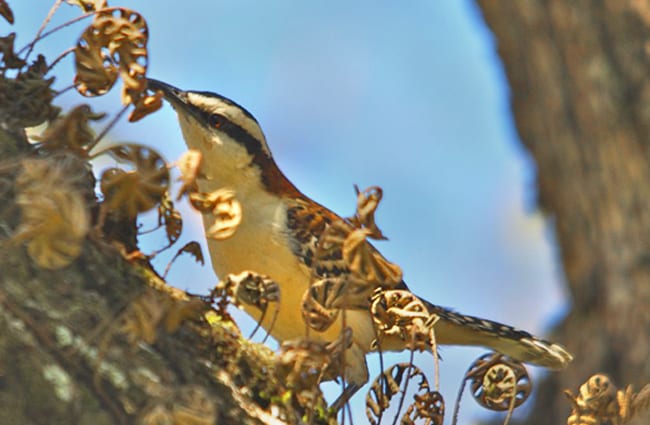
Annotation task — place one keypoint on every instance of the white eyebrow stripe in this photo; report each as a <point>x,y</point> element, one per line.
<point>232,111</point>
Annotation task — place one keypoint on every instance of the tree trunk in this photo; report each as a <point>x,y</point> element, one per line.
<point>103,339</point>
<point>581,99</point>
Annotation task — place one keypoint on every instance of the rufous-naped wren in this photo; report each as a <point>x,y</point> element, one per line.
<point>279,231</point>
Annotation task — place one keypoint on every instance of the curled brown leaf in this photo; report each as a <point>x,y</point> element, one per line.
<point>599,401</point>
<point>72,130</point>
<point>387,385</point>
<point>140,189</point>
<point>96,71</point>
<point>225,208</point>
<point>170,218</point>
<point>145,105</point>
<point>367,202</point>
<point>194,249</point>
<point>54,216</point>
<point>400,314</point>
<point>429,406</point>
<point>325,297</point>
<point>498,382</point>
<point>366,262</point>
<point>115,44</point>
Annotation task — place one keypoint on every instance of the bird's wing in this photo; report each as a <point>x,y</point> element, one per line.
<point>307,221</point>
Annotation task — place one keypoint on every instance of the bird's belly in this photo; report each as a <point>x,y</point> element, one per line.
<point>269,256</point>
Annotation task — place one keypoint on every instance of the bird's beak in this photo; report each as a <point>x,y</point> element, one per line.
<point>175,96</point>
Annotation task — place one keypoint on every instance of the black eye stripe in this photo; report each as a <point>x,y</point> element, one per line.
<point>253,146</point>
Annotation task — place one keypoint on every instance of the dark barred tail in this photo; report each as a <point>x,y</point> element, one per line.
<point>458,329</point>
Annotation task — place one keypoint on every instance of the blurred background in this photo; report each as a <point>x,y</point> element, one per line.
<point>412,99</point>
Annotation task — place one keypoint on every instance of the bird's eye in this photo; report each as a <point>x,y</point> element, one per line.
<point>216,120</point>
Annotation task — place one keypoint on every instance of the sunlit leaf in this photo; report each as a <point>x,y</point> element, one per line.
<point>189,165</point>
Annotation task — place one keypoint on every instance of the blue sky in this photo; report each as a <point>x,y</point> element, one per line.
<point>410,98</point>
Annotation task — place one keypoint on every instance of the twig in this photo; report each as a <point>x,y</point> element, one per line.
<point>47,20</point>
<point>60,57</point>
<point>106,129</point>
<point>382,376</point>
<point>38,38</point>
<point>275,317</point>
<point>511,406</point>
<point>408,378</point>
<point>65,89</point>
<point>457,405</point>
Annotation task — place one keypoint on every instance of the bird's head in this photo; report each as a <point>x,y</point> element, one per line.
<point>229,137</point>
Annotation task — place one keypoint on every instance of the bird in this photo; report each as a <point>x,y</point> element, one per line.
<point>278,232</point>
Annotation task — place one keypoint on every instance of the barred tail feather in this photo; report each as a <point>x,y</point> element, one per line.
<point>457,329</point>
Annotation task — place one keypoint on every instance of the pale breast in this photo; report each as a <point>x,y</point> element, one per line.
<point>262,244</point>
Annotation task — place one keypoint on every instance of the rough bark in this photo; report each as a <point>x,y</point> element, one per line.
<point>578,71</point>
<point>105,341</point>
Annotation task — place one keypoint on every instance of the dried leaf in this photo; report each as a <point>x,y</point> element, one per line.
<point>367,202</point>
<point>54,217</point>
<point>138,190</point>
<point>26,101</point>
<point>498,382</point>
<point>141,320</point>
<point>170,218</point>
<point>325,297</point>
<point>189,165</point>
<point>387,384</point>
<point>227,212</point>
<point>316,308</point>
<point>72,130</point>
<point>145,105</point>
<point>5,12</point>
<point>429,406</point>
<point>194,249</point>
<point>96,71</point>
<point>115,44</point>
<point>303,364</point>
<point>37,69</point>
<point>367,262</point>
<point>253,289</point>
<point>600,402</point>
<point>9,57</point>
<point>399,313</point>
